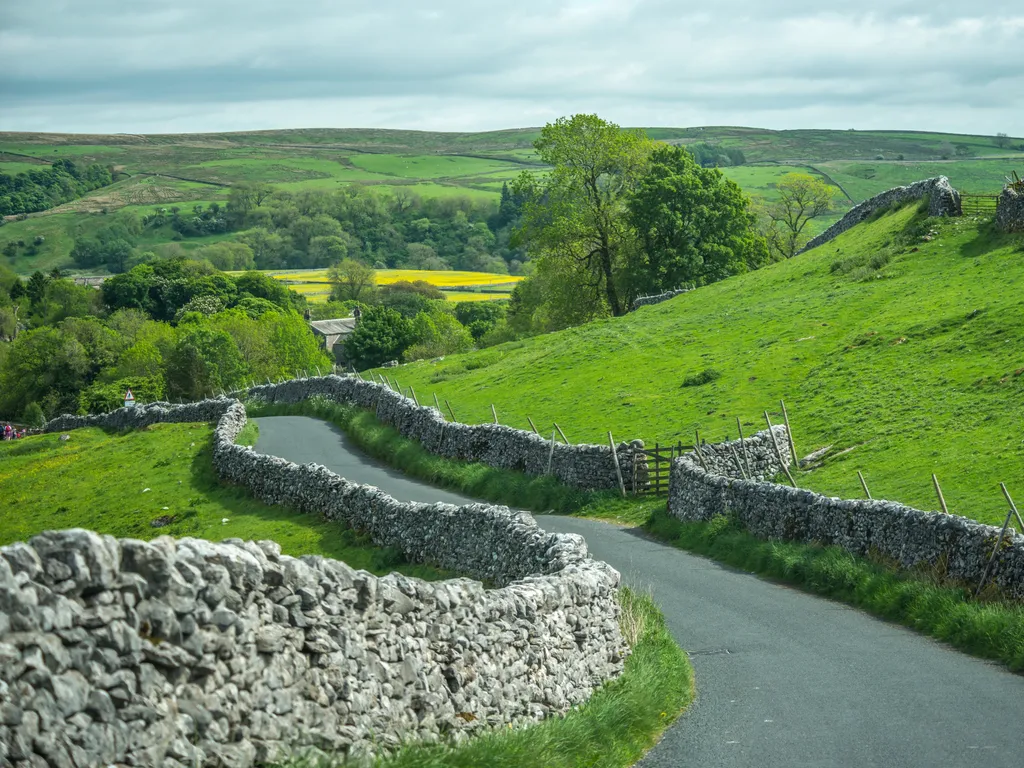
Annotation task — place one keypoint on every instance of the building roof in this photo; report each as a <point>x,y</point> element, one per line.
<point>341,326</point>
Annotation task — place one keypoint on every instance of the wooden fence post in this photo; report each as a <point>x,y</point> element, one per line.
<point>450,410</point>
<point>1013,506</point>
<point>743,447</point>
<point>698,451</point>
<point>494,413</point>
<point>789,434</point>
<point>532,426</point>
<point>778,451</point>
<point>618,470</point>
<point>551,451</point>
<point>413,393</point>
<point>999,541</point>
<point>564,439</point>
<point>736,458</point>
<point>938,490</point>
<point>863,484</point>
<point>437,405</point>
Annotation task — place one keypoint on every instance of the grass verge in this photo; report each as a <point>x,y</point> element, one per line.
<point>160,481</point>
<point>991,629</point>
<point>613,729</point>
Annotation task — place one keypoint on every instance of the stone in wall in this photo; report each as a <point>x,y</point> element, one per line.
<point>175,653</point>
<point>1010,209</point>
<point>943,200</point>
<point>908,536</point>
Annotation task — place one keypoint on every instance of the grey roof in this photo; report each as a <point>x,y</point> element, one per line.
<point>339,327</point>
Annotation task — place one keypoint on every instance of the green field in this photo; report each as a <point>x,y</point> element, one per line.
<point>904,354</point>
<point>121,483</point>
<point>164,170</point>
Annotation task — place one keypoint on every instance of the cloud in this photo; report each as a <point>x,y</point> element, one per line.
<point>111,65</point>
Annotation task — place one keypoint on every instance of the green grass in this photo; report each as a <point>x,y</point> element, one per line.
<point>612,730</point>
<point>866,179</point>
<point>99,480</point>
<point>921,600</point>
<point>909,363</point>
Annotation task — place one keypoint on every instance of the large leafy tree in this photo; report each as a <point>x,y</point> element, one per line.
<point>694,226</point>
<point>577,216</point>
<point>382,335</point>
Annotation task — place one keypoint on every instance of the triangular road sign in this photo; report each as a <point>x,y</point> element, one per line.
<point>129,399</point>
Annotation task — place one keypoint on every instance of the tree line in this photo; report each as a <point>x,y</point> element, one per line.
<point>174,329</point>
<point>63,181</point>
<point>278,229</point>
<point>182,330</point>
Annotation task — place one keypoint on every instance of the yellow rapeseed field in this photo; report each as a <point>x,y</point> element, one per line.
<point>313,283</point>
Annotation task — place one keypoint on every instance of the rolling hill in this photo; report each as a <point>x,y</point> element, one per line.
<point>189,169</point>
<point>898,344</point>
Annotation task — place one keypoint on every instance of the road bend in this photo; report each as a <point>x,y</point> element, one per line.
<point>784,679</point>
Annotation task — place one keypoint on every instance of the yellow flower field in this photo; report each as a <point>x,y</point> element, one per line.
<point>313,283</point>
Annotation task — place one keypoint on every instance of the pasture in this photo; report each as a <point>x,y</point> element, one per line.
<point>164,170</point>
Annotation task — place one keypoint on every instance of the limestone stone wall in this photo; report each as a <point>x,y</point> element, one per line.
<point>943,200</point>
<point>908,536</point>
<point>185,652</point>
<point>1010,210</point>
<point>646,301</point>
<point>580,466</point>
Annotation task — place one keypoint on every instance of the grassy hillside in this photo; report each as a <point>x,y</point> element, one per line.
<point>899,344</point>
<point>121,483</point>
<point>200,168</point>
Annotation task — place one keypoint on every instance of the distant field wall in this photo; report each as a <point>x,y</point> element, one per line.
<point>184,652</point>
<point>943,200</point>
<point>712,484</point>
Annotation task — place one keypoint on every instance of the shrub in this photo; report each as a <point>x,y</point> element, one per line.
<point>704,377</point>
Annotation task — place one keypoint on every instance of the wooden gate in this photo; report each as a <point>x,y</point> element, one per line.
<point>659,467</point>
<point>979,205</point>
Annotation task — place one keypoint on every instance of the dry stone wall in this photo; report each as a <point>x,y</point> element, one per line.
<point>1010,210</point>
<point>185,652</point>
<point>905,535</point>
<point>943,200</point>
<point>646,301</point>
<point>590,467</point>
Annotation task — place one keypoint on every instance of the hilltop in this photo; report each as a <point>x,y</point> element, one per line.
<point>898,344</point>
<point>157,171</point>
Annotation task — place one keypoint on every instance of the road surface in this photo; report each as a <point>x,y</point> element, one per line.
<point>784,679</point>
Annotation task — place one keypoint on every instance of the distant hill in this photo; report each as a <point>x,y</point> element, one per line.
<point>188,169</point>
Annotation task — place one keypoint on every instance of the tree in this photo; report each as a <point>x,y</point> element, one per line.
<point>203,361</point>
<point>694,226</point>
<point>352,280</point>
<point>578,216</point>
<point>381,335</point>
<point>437,335</point>
<point>802,198</point>
<point>1001,140</point>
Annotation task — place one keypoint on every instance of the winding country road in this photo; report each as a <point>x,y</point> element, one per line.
<point>784,679</point>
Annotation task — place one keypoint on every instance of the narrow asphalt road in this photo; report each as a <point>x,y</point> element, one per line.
<point>784,679</point>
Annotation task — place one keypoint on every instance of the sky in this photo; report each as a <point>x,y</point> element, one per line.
<point>114,66</point>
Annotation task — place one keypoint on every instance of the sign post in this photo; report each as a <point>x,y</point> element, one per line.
<point>129,399</point>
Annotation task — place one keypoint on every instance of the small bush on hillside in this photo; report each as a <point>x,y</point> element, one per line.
<point>704,377</point>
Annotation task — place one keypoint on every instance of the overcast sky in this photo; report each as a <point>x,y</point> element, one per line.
<point>148,66</point>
